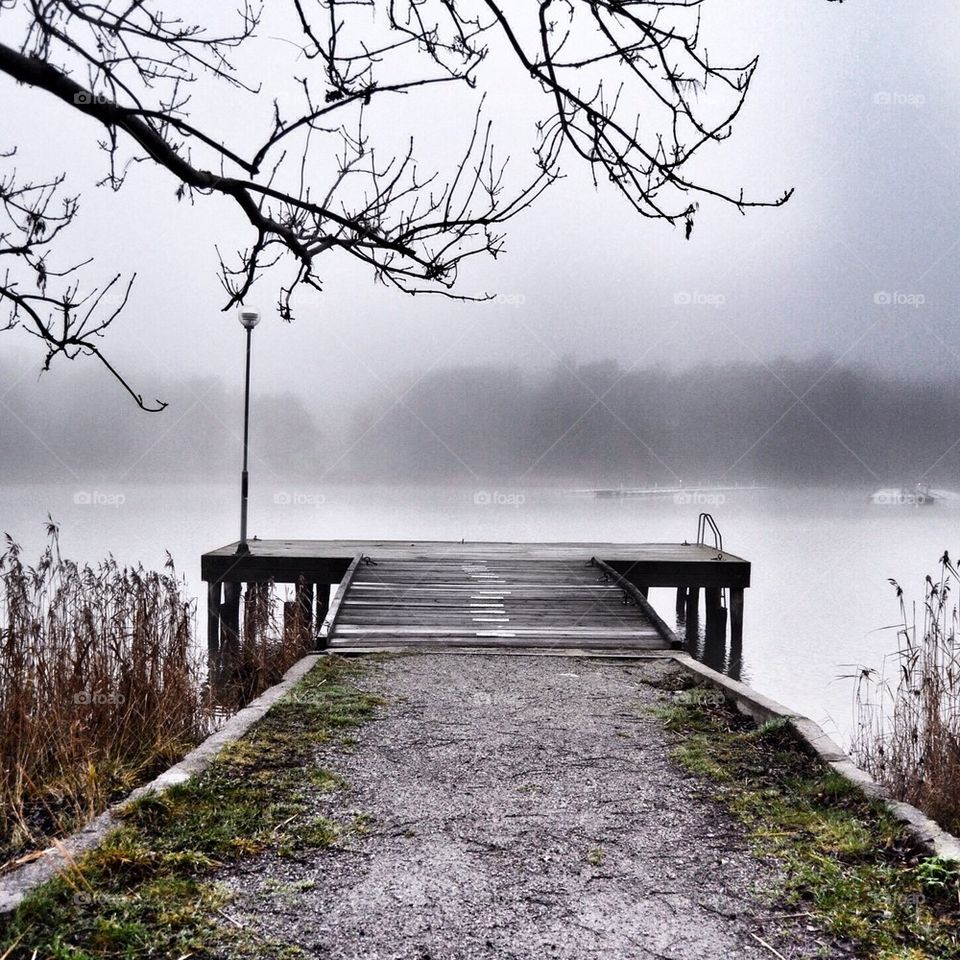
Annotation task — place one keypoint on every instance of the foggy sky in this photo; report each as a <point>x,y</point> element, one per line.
<point>854,105</point>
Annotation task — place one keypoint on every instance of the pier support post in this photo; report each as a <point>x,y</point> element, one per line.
<point>323,608</point>
<point>213,621</point>
<point>693,604</point>
<point>736,618</point>
<point>230,622</point>
<point>712,597</point>
<point>681,603</point>
<point>305,599</point>
<point>692,627</point>
<point>715,635</point>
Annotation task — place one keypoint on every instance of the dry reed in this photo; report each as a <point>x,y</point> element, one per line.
<point>102,683</point>
<point>908,724</point>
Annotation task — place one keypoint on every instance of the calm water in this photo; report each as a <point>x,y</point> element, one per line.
<point>821,558</point>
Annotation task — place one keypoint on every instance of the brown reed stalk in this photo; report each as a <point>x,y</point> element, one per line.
<point>103,683</point>
<point>908,712</point>
<point>100,686</point>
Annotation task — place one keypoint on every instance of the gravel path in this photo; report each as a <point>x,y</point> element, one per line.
<point>522,807</point>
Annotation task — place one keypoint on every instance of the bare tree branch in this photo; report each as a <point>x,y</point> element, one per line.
<point>628,89</point>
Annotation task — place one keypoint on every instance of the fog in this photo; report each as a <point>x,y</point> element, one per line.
<point>853,105</point>
<point>588,424</point>
<point>786,422</point>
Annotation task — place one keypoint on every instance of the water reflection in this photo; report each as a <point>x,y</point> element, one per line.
<point>708,640</point>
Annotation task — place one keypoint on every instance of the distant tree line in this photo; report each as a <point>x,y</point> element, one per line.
<point>808,422</point>
<point>583,423</point>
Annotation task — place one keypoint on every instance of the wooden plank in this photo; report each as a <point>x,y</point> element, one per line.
<point>473,550</point>
<point>642,630</point>
<point>523,650</point>
<point>637,625</point>
<point>330,620</point>
<point>407,615</point>
<point>489,585</point>
<point>463,603</point>
<point>501,642</point>
<point>460,600</point>
<point>512,588</point>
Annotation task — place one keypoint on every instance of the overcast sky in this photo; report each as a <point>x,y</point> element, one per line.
<point>854,105</point>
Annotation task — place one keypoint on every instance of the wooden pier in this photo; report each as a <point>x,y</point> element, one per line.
<point>407,593</point>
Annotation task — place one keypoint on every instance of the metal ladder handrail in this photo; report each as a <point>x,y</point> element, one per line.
<point>706,520</point>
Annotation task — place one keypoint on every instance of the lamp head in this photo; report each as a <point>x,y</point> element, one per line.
<point>248,316</point>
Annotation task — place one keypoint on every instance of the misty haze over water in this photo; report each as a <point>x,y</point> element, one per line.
<point>492,452</point>
<point>788,423</point>
<point>817,607</point>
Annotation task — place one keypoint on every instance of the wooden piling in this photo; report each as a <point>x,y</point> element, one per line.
<point>323,602</point>
<point>736,617</point>
<point>213,620</point>
<point>305,599</point>
<point>323,608</point>
<point>715,634</point>
<point>712,597</point>
<point>693,604</point>
<point>230,621</point>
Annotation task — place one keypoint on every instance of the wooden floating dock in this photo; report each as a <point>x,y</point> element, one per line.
<point>440,593</point>
<point>507,603</point>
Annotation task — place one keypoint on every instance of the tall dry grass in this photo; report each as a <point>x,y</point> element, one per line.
<point>102,683</point>
<point>908,713</point>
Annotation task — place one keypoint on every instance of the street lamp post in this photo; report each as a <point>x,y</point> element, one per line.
<point>249,317</point>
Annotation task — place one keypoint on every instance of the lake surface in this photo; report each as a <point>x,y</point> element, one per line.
<point>821,558</point>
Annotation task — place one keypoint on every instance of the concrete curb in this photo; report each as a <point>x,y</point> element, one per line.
<point>17,884</point>
<point>930,834</point>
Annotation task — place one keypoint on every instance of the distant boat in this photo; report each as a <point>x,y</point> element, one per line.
<point>680,494</point>
<point>919,496</point>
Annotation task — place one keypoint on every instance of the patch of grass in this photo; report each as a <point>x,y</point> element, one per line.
<point>843,858</point>
<point>150,889</point>
<point>326,780</point>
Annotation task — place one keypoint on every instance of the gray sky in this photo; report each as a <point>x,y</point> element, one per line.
<point>855,105</point>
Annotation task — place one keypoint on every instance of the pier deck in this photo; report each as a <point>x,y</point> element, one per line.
<point>479,593</point>
<point>483,602</point>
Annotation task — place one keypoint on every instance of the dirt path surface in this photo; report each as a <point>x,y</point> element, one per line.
<point>520,807</point>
